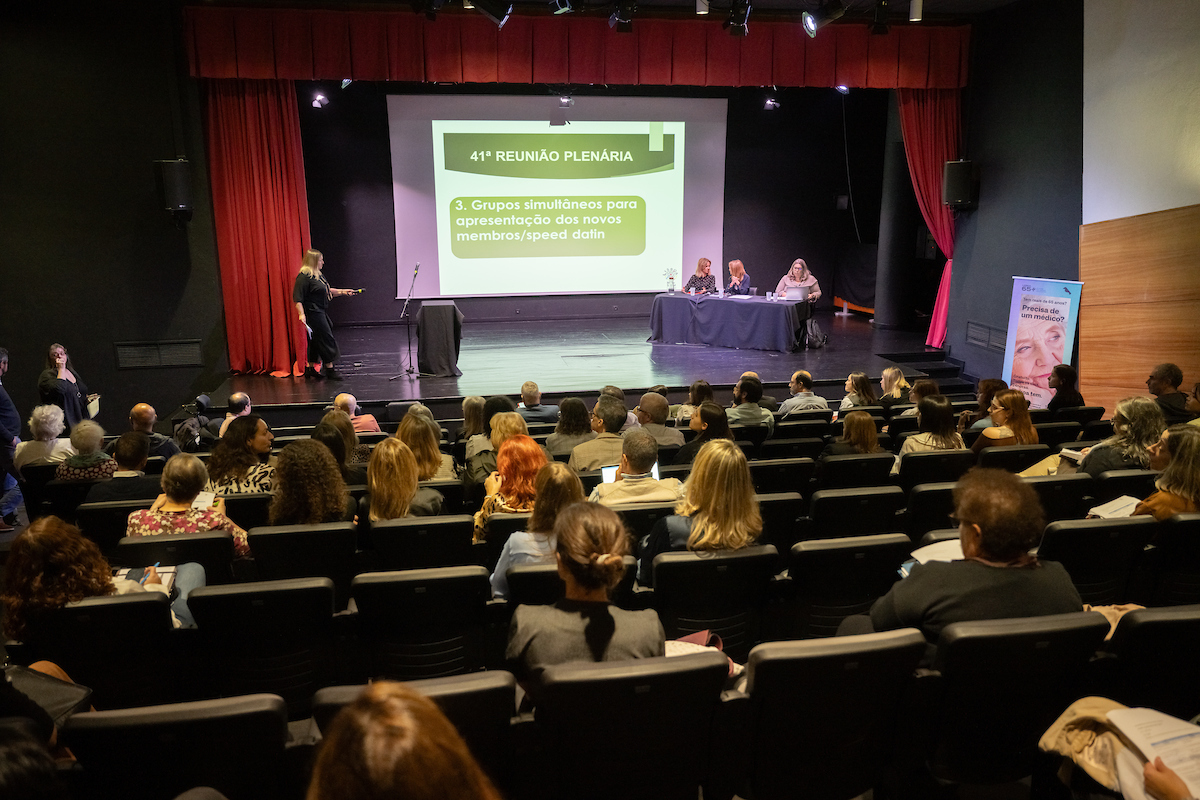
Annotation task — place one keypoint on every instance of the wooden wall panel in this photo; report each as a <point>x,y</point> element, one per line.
<point>1141,302</point>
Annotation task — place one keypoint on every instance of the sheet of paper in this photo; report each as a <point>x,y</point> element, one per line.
<point>1123,506</point>
<point>1176,742</point>
<point>94,408</point>
<point>948,550</point>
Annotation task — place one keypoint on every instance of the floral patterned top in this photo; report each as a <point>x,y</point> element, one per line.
<point>159,523</point>
<point>259,478</point>
<point>86,468</point>
<point>494,504</point>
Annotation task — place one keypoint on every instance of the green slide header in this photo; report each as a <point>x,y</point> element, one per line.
<point>559,155</point>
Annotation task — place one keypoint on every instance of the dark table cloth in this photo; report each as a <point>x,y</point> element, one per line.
<point>751,323</point>
<point>439,336</point>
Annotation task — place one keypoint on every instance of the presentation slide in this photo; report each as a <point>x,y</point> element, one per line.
<point>503,203</point>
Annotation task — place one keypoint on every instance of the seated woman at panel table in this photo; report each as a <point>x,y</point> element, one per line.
<point>702,281</point>
<point>935,429</point>
<point>590,543</point>
<point>183,478</point>
<point>1010,422</point>
<point>798,277</point>
<point>718,512</point>
<point>236,465</point>
<point>1178,455</point>
<point>555,487</point>
<point>392,484</point>
<point>739,281</point>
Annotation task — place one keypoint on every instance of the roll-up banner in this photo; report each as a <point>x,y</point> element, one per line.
<point>1041,334</point>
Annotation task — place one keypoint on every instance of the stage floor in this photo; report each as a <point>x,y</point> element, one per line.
<point>576,356</point>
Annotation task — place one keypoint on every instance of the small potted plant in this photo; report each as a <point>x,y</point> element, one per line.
<point>670,273</point>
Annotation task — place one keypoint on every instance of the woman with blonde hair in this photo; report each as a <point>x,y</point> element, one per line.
<point>703,281</point>
<point>422,438</point>
<point>555,487</point>
<point>392,484</point>
<point>311,294</point>
<point>510,488</point>
<point>718,511</point>
<point>893,387</point>
<point>1010,422</point>
<point>1178,487</point>
<point>798,276</point>
<point>395,742</point>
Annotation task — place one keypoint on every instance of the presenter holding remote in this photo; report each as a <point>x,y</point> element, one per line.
<point>703,281</point>
<point>311,295</point>
<point>739,281</point>
<point>799,276</point>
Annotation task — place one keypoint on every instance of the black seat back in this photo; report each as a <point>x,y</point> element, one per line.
<point>1177,561</point>
<point>307,551</point>
<point>935,466</point>
<point>423,542</point>
<point>1015,458</point>
<point>1063,496</point>
<point>249,510</point>
<point>1156,651</point>
<point>834,578</point>
<point>212,550</point>
<point>929,508</point>
<point>1100,555</point>
<point>106,523</point>
<point>781,474</point>
<point>1116,483</point>
<point>835,513</point>
<point>863,469</point>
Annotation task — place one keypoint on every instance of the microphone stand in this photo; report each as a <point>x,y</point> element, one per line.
<point>410,369</point>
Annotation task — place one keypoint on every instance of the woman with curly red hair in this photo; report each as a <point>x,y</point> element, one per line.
<point>52,564</point>
<point>510,488</point>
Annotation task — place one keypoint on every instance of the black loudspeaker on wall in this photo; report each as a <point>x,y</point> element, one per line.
<point>960,184</point>
<point>174,180</point>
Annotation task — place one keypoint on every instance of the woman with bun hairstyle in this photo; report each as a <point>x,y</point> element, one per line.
<point>590,545</point>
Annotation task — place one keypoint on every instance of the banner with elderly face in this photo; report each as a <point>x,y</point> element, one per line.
<point>1041,334</point>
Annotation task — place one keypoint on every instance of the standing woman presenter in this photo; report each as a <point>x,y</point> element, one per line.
<point>311,295</point>
<point>60,385</point>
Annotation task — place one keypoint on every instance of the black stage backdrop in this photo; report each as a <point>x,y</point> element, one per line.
<point>784,172</point>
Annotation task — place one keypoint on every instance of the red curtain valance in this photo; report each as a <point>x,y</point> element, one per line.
<point>255,43</point>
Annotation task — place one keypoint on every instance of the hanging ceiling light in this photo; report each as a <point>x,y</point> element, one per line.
<point>827,13</point>
<point>879,22</point>
<point>914,11</point>
<point>739,14</point>
<point>320,101</point>
<point>562,6</point>
<point>701,6</point>
<point>498,11</point>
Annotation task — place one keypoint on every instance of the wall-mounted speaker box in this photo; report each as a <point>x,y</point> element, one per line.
<point>960,186</point>
<point>174,179</point>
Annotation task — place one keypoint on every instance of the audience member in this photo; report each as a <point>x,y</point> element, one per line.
<point>362,423</point>
<point>129,482</point>
<point>10,438</point>
<point>920,390</point>
<point>1137,426</point>
<point>555,487</point>
<point>1010,422</point>
<point>60,385</point>
<point>859,391</point>
<point>394,742</point>
<point>531,407</point>
<point>935,429</point>
<point>893,387</point>
<point>1163,783</point>
<point>142,418</point>
<point>709,422</point>
<point>999,520</point>
<point>802,397</point>
<point>28,771</point>
<point>651,413</point>
<point>635,483</point>
<point>478,465</point>
<point>356,451</point>
<point>309,489</point>
<point>183,478</point>
<point>51,564</point>
<point>718,511</point>
<point>328,434</point>
<point>590,543</point>
<point>660,388</point>
<point>90,462</point>
<point>1193,405</point>
<point>767,402</point>
<point>1178,487</point>
<point>574,427</point>
<point>510,488</point>
<point>46,424</point>
<point>605,449</point>
<point>239,406</point>
<point>1164,383</point>
<point>422,437</point>
<point>392,484</point>
<point>980,417</point>
<point>699,392</point>
<point>616,394</point>
<point>501,427</point>
<point>1064,381</point>
<point>859,437</point>
<point>236,466</point>
<point>472,409</point>
<point>746,410</point>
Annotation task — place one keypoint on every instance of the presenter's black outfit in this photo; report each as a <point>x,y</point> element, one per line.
<point>72,398</point>
<point>313,294</point>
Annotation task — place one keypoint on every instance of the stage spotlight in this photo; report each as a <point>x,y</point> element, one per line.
<point>842,89</point>
<point>561,6</point>
<point>498,11</point>
<point>566,101</point>
<point>468,4</point>
<point>320,101</point>
<point>879,23</point>
<point>771,105</point>
<point>914,10</point>
<point>346,82</point>
<point>739,14</point>
<point>428,7</point>
<point>701,6</point>
<point>827,13</point>
<point>622,18</point>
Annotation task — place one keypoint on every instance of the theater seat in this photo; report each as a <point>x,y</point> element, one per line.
<point>212,550</point>
<point>1116,483</point>
<point>834,513</point>
<point>1014,458</point>
<point>1176,572</point>
<point>106,523</point>
<point>307,551</point>
<point>1100,555</point>
<point>935,466</point>
<point>422,542</point>
<point>1151,660</point>
<point>863,469</point>
<point>830,579</point>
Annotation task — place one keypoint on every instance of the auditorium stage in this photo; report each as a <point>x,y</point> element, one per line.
<point>575,356</point>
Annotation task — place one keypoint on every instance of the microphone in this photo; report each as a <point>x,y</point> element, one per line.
<point>418,269</point>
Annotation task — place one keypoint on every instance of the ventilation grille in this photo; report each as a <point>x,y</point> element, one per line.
<point>146,355</point>
<point>986,336</point>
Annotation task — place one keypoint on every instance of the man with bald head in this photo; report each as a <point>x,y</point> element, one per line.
<point>239,406</point>
<point>803,396</point>
<point>142,418</point>
<point>652,413</point>
<point>363,423</point>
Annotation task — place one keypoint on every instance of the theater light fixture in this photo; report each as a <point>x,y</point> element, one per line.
<point>622,18</point>
<point>561,6</point>
<point>879,23</point>
<point>320,101</point>
<point>428,7</point>
<point>827,13</point>
<point>701,6</point>
<point>566,101</point>
<point>842,89</point>
<point>739,14</point>
<point>771,105</point>
<point>498,11</point>
<point>914,10</point>
<point>346,82</point>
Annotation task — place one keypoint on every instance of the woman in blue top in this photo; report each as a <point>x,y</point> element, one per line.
<point>739,281</point>
<point>556,487</point>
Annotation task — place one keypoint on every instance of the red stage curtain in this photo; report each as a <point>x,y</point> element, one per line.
<point>930,122</point>
<point>261,214</point>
